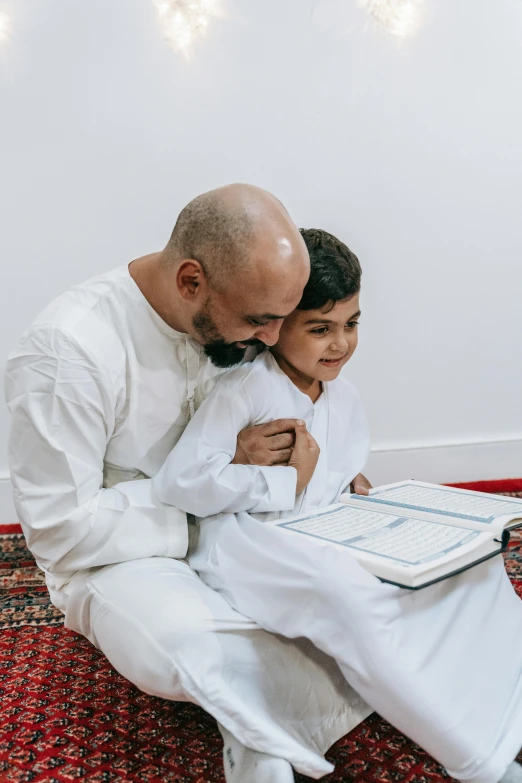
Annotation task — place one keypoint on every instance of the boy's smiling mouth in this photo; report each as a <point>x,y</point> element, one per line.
<point>333,362</point>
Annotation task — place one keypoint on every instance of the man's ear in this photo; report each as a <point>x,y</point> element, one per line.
<point>191,280</point>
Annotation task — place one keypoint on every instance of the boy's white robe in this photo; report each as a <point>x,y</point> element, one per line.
<point>100,389</point>
<point>443,664</point>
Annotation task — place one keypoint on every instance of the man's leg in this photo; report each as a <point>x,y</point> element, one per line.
<point>444,664</point>
<point>163,629</point>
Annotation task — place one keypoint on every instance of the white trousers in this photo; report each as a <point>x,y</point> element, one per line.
<point>443,664</point>
<point>164,630</point>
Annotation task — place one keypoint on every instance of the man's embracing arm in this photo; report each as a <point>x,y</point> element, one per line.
<point>63,415</point>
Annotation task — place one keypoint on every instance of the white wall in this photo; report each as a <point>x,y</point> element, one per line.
<point>410,150</point>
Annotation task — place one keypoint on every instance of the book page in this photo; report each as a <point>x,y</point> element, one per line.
<point>446,501</point>
<point>406,541</point>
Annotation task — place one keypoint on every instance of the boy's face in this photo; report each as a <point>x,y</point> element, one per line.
<point>314,345</point>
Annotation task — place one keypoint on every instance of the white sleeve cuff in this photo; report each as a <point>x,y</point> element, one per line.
<point>144,512</point>
<point>281,481</point>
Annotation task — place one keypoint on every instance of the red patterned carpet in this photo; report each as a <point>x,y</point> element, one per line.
<point>66,715</point>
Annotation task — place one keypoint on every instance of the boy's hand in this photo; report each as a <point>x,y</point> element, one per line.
<point>265,444</point>
<point>304,456</point>
<point>360,485</point>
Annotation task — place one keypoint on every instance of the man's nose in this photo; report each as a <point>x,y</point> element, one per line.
<point>269,334</point>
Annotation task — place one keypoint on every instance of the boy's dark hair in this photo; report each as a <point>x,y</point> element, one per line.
<point>335,272</point>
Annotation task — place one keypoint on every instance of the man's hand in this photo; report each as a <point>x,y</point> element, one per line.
<point>304,456</point>
<point>266,444</point>
<point>360,485</point>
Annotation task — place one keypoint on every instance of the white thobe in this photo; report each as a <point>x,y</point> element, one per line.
<point>100,388</point>
<point>198,474</point>
<point>443,664</point>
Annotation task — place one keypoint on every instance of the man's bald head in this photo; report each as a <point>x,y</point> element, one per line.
<point>235,266</point>
<point>221,229</point>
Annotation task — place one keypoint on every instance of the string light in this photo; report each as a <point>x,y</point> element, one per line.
<point>399,17</point>
<point>185,20</point>
<point>5,27</point>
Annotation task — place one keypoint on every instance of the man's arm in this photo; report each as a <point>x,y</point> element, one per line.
<point>63,415</point>
<point>200,475</point>
<point>266,444</point>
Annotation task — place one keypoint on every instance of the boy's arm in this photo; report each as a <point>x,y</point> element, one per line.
<point>360,485</point>
<point>199,477</point>
<point>358,438</point>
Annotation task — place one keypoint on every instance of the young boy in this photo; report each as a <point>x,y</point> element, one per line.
<point>444,665</point>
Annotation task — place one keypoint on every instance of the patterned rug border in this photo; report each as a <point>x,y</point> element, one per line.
<point>6,529</point>
<point>493,486</point>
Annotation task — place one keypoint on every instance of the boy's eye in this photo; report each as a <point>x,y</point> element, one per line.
<point>320,330</point>
<point>352,324</point>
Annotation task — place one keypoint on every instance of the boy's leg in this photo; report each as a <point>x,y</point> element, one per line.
<point>444,665</point>
<point>163,629</point>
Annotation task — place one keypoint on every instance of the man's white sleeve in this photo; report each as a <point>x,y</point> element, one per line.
<point>63,415</point>
<point>198,476</point>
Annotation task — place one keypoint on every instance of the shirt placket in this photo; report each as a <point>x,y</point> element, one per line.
<point>318,429</point>
<point>192,370</point>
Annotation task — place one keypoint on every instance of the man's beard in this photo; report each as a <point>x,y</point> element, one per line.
<point>220,353</point>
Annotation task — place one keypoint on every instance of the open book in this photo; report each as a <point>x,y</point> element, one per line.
<point>413,534</point>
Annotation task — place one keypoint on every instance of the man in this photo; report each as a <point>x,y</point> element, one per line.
<point>100,388</point>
